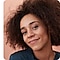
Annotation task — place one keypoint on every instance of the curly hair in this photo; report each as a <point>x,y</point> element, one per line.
<point>47,11</point>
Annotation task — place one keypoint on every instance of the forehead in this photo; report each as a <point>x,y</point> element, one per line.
<point>27,19</point>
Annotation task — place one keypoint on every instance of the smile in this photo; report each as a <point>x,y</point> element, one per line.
<point>33,41</point>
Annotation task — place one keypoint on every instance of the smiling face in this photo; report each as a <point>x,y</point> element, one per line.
<point>34,32</point>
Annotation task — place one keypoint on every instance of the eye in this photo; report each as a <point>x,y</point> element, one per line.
<point>24,33</point>
<point>35,27</point>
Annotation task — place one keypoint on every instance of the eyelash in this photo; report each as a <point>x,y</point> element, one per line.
<point>24,32</point>
<point>35,27</point>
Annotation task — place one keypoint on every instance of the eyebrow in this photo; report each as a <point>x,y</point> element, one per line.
<point>29,24</point>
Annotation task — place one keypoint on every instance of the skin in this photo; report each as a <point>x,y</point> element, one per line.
<point>35,35</point>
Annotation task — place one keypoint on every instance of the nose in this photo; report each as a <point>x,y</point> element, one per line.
<point>30,34</point>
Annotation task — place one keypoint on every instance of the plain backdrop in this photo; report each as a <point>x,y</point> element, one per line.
<point>9,6</point>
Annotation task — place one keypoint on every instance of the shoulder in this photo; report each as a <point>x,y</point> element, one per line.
<point>20,55</point>
<point>22,52</point>
<point>57,56</point>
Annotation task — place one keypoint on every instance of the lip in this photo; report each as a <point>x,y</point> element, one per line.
<point>33,41</point>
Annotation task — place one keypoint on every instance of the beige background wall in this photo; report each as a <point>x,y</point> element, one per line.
<point>10,5</point>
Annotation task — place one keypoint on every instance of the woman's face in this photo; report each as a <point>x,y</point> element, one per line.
<point>34,32</point>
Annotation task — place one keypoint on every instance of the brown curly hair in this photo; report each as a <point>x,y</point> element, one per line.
<point>47,11</point>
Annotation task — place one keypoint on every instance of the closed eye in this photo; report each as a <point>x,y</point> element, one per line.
<point>35,27</point>
<point>24,33</point>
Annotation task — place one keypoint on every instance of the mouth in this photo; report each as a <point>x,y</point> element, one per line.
<point>33,41</point>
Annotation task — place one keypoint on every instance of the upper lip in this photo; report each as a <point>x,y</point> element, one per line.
<point>33,40</point>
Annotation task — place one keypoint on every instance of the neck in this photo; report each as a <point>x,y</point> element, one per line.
<point>44,53</point>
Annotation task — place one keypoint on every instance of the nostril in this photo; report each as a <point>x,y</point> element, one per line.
<point>31,35</point>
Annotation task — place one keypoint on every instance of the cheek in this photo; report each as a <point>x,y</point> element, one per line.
<point>25,39</point>
<point>41,30</point>
<point>43,34</point>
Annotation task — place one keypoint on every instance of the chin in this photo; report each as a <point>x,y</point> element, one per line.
<point>36,48</point>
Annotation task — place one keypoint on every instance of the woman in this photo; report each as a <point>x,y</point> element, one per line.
<point>35,27</point>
